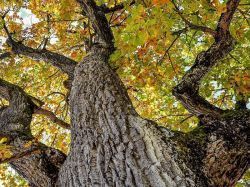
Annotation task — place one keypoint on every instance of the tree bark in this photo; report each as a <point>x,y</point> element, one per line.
<point>111,145</point>
<point>36,162</point>
<point>217,150</point>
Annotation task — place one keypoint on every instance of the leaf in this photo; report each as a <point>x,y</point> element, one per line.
<point>1,23</point>
<point>74,54</point>
<point>160,2</point>
<point>3,140</point>
<point>28,144</point>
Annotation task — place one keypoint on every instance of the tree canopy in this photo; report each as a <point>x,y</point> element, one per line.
<point>156,43</point>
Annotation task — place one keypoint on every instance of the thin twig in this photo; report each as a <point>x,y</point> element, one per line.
<point>52,117</point>
<point>167,50</point>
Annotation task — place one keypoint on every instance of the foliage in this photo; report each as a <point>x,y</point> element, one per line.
<point>154,49</point>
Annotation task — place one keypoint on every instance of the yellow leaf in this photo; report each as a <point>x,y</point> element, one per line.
<point>28,144</point>
<point>2,140</point>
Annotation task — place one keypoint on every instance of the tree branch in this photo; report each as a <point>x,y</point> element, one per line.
<point>187,91</point>
<point>5,55</point>
<point>65,64</point>
<point>243,14</point>
<point>13,92</point>
<point>168,49</point>
<point>52,117</point>
<point>193,26</point>
<point>36,162</point>
<point>24,152</point>
<point>226,18</point>
<point>100,24</point>
<point>117,7</point>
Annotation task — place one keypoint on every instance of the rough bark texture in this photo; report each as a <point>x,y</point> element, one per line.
<point>111,144</point>
<point>217,150</point>
<point>37,163</point>
<point>40,165</point>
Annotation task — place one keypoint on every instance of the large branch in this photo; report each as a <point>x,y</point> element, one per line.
<point>15,95</point>
<point>187,91</point>
<point>36,162</point>
<point>99,22</point>
<point>63,63</point>
<point>12,92</point>
<point>218,149</point>
<point>21,105</point>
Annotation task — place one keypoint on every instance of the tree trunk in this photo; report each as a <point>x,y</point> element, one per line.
<point>113,146</point>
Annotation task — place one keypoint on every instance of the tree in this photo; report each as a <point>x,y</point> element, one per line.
<point>159,49</point>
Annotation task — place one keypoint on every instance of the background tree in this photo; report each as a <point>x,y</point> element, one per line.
<point>183,64</point>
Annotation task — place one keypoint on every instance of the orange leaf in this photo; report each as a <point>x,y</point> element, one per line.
<point>160,2</point>
<point>74,54</point>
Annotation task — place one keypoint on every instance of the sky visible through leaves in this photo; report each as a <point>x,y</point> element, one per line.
<point>154,49</point>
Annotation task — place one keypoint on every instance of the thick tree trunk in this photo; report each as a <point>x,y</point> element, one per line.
<point>111,144</point>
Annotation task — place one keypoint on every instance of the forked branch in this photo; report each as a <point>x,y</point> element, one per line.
<point>187,91</point>
<point>191,25</point>
<point>100,24</point>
